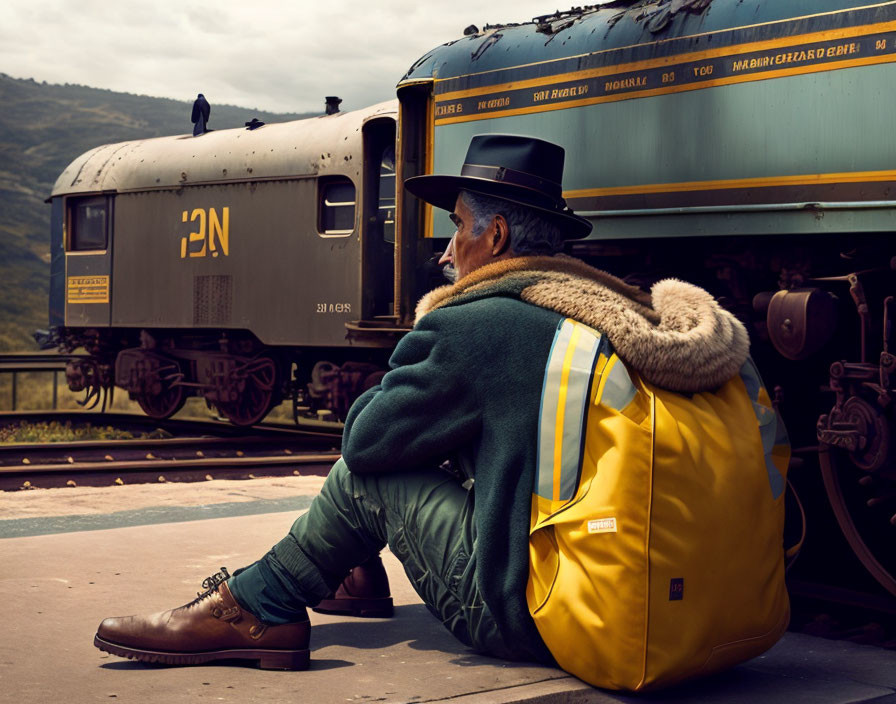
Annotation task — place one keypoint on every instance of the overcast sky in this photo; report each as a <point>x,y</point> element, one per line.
<point>275,56</point>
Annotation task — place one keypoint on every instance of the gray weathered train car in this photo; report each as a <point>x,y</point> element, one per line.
<point>210,265</point>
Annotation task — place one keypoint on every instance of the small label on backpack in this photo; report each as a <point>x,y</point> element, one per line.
<point>676,589</point>
<point>602,525</point>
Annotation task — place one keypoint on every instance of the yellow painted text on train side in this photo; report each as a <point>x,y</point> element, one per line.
<point>212,236</point>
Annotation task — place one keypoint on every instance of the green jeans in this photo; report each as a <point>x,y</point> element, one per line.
<point>426,519</point>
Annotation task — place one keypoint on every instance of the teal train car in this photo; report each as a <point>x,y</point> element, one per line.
<point>746,145</point>
<point>675,114</point>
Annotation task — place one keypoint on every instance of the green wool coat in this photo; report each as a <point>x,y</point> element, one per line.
<point>465,384</point>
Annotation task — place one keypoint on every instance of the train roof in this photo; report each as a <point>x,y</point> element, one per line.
<point>276,150</point>
<point>630,30</point>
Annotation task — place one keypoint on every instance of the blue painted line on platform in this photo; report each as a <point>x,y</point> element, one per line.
<point>48,525</point>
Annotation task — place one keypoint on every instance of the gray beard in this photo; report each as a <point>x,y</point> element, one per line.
<point>449,272</point>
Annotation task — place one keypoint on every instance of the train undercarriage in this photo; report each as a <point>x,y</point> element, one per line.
<point>240,378</point>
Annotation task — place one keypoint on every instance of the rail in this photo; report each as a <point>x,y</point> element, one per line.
<point>154,469</point>
<point>197,451</point>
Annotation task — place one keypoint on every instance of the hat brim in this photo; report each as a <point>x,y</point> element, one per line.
<point>442,191</point>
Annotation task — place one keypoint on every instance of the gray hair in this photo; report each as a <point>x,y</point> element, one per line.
<point>530,232</point>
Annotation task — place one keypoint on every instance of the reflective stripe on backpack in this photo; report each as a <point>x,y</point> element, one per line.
<point>564,405</point>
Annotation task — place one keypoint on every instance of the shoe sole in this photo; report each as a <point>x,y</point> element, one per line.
<point>267,659</point>
<point>379,607</point>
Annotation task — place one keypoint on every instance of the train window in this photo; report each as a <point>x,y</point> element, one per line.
<point>387,194</point>
<point>337,207</point>
<point>89,222</point>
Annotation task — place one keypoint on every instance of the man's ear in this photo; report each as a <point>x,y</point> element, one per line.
<point>501,236</point>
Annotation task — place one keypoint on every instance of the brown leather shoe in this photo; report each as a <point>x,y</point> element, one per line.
<point>211,627</point>
<point>365,592</point>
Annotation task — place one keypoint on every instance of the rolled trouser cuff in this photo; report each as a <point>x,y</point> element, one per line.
<point>267,591</point>
<point>311,583</point>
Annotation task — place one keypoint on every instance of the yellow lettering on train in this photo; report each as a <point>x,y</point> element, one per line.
<point>560,93</point>
<point>797,56</point>
<point>842,50</point>
<point>219,228</point>
<point>625,84</point>
<point>452,109</point>
<point>493,103</point>
<point>198,214</point>
<point>751,64</point>
<point>211,236</point>
<point>880,44</point>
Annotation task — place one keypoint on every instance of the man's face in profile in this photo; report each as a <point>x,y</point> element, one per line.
<point>466,252</point>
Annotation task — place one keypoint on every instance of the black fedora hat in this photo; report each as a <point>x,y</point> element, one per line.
<point>523,170</point>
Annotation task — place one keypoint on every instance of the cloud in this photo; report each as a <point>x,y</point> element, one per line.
<point>274,57</point>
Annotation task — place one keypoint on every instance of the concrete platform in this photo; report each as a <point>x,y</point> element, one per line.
<point>142,549</point>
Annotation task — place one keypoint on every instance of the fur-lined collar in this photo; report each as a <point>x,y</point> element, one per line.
<point>677,337</point>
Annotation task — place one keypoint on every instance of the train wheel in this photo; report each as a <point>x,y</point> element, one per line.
<point>164,404</point>
<point>863,504</point>
<point>258,395</point>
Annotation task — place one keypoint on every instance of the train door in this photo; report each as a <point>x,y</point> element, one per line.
<point>415,247</point>
<point>378,239</point>
<point>88,260</point>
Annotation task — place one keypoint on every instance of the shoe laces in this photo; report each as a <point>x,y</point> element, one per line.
<point>210,585</point>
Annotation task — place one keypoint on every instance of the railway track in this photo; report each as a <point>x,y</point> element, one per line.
<point>176,426</point>
<point>195,451</point>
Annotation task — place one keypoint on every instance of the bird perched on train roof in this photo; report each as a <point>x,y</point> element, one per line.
<point>201,112</point>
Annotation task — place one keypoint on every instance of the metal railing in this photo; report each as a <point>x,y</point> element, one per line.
<point>50,362</point>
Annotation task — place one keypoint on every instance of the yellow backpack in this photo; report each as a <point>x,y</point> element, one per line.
<point>655,543</point>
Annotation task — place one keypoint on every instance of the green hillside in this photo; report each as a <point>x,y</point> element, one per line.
<point>42,129</point>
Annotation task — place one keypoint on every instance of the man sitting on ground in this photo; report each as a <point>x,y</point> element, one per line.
<point>465,385</point>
